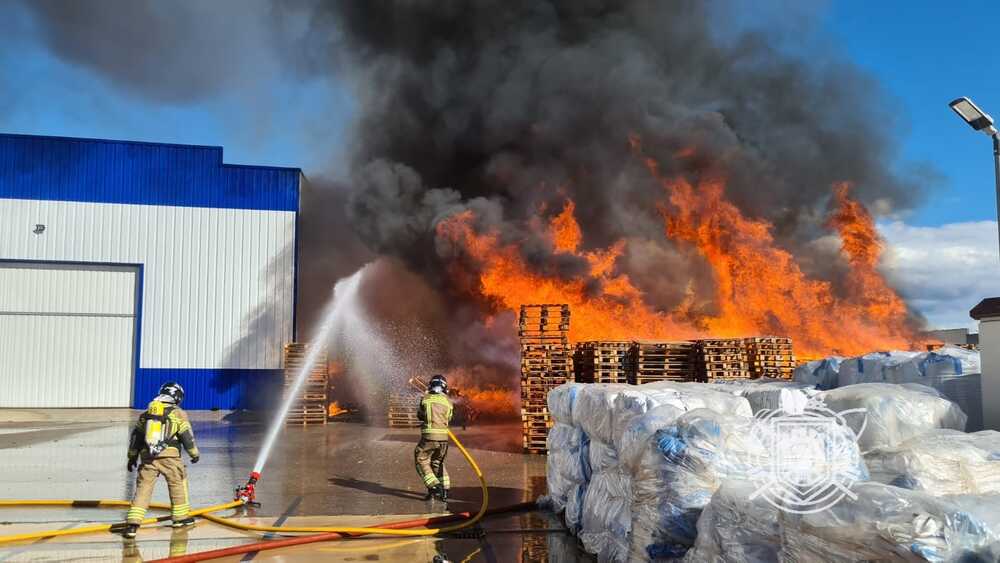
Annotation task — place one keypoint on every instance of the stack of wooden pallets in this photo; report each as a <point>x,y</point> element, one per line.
<point>770,356</point>
<point>546,362</point>
<point>403,409</point>
<point>604,361</point>
<point>722,359</point>
<point>310,404</point>
<point>662,361</point>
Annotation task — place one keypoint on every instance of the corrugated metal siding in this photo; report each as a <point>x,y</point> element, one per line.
<point>66,336</point>
<point>91,170</point>
<point>218,283</point>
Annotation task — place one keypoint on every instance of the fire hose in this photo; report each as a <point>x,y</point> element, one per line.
<point>321,533</point>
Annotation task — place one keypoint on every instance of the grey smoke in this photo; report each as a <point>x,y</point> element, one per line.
<point>505,106</point>
<point>516,103</point>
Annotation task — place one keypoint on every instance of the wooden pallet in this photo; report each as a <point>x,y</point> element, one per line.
<point>663,361</point>
<point>546,362</point>
<point>770,356</point>
<point>310,404</point>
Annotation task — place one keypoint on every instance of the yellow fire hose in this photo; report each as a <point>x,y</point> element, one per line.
<point>206,513</point>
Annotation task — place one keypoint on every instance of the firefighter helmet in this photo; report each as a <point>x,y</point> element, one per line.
<point>438,384</point>
<point>173,390</point>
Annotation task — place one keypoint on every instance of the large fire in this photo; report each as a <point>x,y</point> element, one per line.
<point>759,288</point>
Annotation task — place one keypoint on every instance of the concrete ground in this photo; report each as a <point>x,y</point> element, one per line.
<point>338,474</point>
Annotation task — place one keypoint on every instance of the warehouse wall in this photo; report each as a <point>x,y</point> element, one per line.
<point>217,283</point>
<point>215,243</point>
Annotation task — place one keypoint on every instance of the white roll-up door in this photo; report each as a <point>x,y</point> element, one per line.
<point>67,335</point>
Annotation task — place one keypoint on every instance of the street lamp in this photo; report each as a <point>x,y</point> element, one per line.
<point>981,121</point>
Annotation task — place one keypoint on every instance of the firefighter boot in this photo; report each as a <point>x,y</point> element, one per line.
<point>183,523</point>
<point>130,530</point>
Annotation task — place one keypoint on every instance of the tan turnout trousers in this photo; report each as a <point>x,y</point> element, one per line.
<point>429,457</point>
<point>173,470</point>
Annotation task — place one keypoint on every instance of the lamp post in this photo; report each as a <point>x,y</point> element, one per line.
<point>979,120</point>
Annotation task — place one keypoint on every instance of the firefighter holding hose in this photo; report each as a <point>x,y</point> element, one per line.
<point>156,441</point>
<point>435,414</point>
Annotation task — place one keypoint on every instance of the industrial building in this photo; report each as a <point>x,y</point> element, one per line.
<point>126,264</point>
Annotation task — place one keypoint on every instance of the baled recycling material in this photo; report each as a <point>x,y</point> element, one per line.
<point>664,472</point>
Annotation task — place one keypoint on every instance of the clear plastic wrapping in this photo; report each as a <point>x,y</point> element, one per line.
<point>941,462</point>
<point>606,518</point>
<point>870,368</point>
<point>880,523</point>
<point>676,475</point>
<point>893,413</point>
<point>564,468</point>
<point>821,373</point>
<point>560,402</point>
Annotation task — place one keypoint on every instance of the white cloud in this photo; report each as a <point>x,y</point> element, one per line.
<point>943,271</point>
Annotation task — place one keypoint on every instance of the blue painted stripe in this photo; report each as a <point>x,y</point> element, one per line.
<point>256,389</point>
<point>104,171</point>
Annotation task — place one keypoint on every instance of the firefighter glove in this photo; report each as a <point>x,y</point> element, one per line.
<point>131,464</point>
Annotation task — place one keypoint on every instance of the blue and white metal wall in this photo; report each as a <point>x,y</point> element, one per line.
<point>211,249</point>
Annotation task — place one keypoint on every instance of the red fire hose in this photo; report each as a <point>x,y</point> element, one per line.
<point>334,536</point>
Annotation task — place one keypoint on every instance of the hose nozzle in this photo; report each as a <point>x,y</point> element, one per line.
<point>247,494</point>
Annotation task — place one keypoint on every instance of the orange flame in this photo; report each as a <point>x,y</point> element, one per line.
<point>614,309</point>
<point>759,287</point>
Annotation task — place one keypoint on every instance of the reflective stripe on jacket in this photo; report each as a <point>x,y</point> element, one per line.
<point>179,433</point>
<point>435,414</point>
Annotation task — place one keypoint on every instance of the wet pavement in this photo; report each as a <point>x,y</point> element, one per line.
<point>338,474</point>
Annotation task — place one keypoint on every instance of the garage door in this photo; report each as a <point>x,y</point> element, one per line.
<point>67,335</point>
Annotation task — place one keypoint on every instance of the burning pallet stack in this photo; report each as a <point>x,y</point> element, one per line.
<point>546,362</point>
<point>310,404</point>
<point>770,356</point>
<point>603,361</point>
<point>663,361</point>
<point>721,359</point>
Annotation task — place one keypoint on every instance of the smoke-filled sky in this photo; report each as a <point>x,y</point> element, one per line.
<point>504,106</point>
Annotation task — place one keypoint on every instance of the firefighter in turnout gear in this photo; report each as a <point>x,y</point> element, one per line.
<point>435,414</point>
<point>155,446</point>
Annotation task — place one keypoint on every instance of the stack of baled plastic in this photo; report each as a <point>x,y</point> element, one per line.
<point>767,394</point>
<point>619,420</point>
<point>886,415</point>
<point>941,462</point>
<point>567,465</point>
<point>822,374</point>
<point>877,523</point>
<point>953,371</point>
<point>870,368</point>
<point>675,475</point>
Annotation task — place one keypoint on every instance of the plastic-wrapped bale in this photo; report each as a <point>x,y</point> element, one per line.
<point>682,395</point>
<point>821,373</point>
<point>560,402</point>
<point>771,395</point>
<point>941,462</point>
<point>593,408</point>
<point>953,371</point>
<point>565,467</point>
<point>894,413</point>
<point>880,523</point>
<point>870,368</point>
<point>606,518</point>
<point>676,474</point>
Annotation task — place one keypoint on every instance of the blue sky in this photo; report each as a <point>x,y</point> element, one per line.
<point>922,53</point>
<point>926,54</point>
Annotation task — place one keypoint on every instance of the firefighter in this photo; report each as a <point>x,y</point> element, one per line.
<point>155,446</point>
<point>435,414</point>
